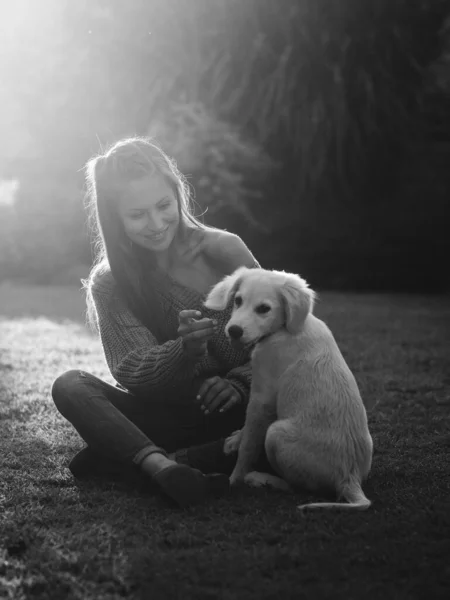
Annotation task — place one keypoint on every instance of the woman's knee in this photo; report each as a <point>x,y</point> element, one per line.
<point>66,389</point>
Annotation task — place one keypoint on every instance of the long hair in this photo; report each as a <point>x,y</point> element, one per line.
<point>133,268</point>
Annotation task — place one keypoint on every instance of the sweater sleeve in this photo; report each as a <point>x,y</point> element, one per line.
<point>134,357</point>
<point>241,379</point>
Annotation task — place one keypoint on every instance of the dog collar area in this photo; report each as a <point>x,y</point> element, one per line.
<point>267,336</point>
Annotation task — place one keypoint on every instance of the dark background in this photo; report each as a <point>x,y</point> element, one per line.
<point>317,130</point>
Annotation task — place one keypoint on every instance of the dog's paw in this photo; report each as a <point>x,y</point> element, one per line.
<point>236,478</point>
<point>257,479</point>
<point>233,442</point>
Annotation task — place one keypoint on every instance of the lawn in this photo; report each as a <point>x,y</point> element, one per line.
<point>62,539</point>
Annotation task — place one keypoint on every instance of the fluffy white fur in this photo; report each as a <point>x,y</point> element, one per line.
<point>305,406</point>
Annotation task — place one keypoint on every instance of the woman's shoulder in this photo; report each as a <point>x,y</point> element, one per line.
<point>101,280</point>
<point>228,249</point>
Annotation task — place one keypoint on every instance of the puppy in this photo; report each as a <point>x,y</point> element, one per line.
<point>305,407</point>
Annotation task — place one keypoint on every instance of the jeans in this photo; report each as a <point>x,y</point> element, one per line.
<point>126,428</point>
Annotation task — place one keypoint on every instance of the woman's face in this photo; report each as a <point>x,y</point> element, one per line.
<point>149,212</point>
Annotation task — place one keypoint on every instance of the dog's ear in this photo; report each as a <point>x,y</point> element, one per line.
<point>221,293</point>
<point>298,299</point>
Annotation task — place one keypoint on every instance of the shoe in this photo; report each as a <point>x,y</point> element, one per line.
<point>188,487</point>
<point>208,458</point>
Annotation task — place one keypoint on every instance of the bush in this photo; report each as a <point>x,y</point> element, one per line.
<point>308,126</point>
<point>226,170</point>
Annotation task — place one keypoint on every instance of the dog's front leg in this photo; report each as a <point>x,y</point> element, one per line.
<point>258,418</point>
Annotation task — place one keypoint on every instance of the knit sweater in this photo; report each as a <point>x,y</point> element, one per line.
<point>143,366</point>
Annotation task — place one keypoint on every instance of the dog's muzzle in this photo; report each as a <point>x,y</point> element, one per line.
<point>235,332</point>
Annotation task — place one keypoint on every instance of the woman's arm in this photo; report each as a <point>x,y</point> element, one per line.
<point>232,252</point>
<point>132,353</point>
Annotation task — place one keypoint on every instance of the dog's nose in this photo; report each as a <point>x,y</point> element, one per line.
<point>235,332</point>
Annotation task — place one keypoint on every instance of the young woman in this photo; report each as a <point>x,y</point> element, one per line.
<point>181,387</point>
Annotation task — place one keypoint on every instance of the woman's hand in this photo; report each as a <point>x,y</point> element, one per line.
<point>195,332</point>
<point>216,393</point>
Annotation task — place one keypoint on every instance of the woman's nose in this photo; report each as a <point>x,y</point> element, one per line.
<point>154,222</point>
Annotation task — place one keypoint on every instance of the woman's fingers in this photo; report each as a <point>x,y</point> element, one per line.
<point>202,334</point>
<point>216,392</point>
<point>202,324</point>
<point>206,386</point>
<point>231,402</point>
<point>192,318</point>
<point>195,332</point>
<point>184,316</point>
<point>189,324</point>
<point>224,396</point>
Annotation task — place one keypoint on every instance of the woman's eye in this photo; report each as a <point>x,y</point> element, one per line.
<point>238,301</point>
<point>262,309</point>
<point>137,215</point>
<point>165,206</point>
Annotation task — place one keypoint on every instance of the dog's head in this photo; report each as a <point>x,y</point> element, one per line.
<point>263,302</point>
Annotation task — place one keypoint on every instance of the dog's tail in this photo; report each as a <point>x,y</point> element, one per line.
<point>350,491</point>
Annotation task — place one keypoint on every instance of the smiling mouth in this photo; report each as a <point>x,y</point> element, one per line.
<point>158,236</point>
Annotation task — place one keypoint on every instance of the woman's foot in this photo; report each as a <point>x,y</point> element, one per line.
<point>187,487</point>
<point>219,456</point>
<point>181,483</point>
<point>155,462</point>
<point>212,457</point>
<point>184,485</point>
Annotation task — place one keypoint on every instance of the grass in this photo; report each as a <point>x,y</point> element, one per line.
<point>63,539</point>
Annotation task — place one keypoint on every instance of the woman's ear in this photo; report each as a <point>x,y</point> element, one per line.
<point>298,299</point>
<point>221,293</point>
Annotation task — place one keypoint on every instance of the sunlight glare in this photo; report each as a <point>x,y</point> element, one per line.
<point>8,191</point>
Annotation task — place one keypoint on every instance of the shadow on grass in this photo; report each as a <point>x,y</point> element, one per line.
<point>62,538</point>
<point>120,537</point>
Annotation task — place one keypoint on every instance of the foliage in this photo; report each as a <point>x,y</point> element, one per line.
<point>222,162</point>
<point>303,116</point>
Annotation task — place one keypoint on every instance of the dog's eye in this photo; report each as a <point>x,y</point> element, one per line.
<point>262,309</point>
<point>238,301</point>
